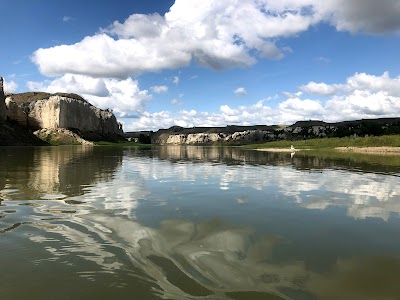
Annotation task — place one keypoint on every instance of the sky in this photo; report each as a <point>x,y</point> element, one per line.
<point>164,63</point>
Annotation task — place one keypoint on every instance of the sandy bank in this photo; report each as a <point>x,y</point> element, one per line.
<point>280,150</point>
<point>371,150</point>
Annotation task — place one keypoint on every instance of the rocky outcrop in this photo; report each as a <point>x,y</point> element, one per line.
<point>210,138</point>
<point>61,136</point>
<point>3,110</point>
<point>15,112</point>
<point>12,134</point>
<point>63,111</point>
<point>261,133</point>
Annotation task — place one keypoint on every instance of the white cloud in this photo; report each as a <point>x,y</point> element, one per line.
<point>295,109</point>
<point>359,81</point>
<point>362,81</point>
<point>176,102</point>
<point>67,18</point>
<point>323,59</point>
<point>257,113</point>
<point>240,91</point>
<point>176,80</point>
<point>319,89</point>
<point>362,104</point>
<point>122,96</point>
<point>73,84</point>
<point>159,89</point>
<point>10,86</point>
<point>218,34</point>
<point>361,96</point>
<point>291,95</point>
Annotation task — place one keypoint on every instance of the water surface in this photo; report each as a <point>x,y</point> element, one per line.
<point>197,223</point>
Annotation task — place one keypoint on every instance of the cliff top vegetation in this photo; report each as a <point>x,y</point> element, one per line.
<point>29,97</point>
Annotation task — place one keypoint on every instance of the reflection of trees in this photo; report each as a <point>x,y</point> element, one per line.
<point>226,155</point>
<point>300,161</point>
<point>302,177</point>
<point>189,259</point>
<point>57,170</point>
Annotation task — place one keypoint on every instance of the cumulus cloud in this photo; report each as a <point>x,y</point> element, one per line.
<point>10,86</point>
<point>319,89</point>
<point>257,113</point>
<point>240,91</point>
<point>216,34</point>
<point>367,16</point>
<point>360,96</point>
<point>159,89</point>
<point>122,96</point>
<point>294,109</point>
<point>359,81</point>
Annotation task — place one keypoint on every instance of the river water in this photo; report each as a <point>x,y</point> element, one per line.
<point>197,223</point>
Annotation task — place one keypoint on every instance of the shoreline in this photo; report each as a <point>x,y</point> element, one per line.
<point>288,150</point>
<point>383,150</point>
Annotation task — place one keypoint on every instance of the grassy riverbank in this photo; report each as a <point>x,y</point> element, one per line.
<point>332,143</point>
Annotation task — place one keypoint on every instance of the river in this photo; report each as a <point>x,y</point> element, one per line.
<point>197,223</point>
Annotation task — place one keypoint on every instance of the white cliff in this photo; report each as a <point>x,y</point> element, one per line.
<point>58,111</point>
<point>208,138</point>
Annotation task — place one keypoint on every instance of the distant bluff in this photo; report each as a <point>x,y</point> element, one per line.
<point>300,130</point>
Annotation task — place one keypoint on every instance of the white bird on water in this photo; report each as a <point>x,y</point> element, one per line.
<point>293,151</point>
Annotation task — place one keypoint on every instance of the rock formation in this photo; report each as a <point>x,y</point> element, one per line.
<point>15,112</point>
<point>68,111</point>
<point>261,133</point>
<point>3,110</point>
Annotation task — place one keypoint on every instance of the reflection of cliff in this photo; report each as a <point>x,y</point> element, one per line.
<point>57,170</point>
<point>216,252</point>
<point>227,155</point>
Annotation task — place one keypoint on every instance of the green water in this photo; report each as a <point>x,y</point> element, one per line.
<point>197,223</point>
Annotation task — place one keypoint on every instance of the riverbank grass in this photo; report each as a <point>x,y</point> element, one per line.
<point>332,143</point>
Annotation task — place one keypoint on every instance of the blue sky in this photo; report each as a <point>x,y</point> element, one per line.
<point>209,63</point>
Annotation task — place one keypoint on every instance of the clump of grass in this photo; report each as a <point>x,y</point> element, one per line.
<point>330,143</point>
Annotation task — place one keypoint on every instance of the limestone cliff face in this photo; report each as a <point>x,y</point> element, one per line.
<point>209,138</point>
<point>3,110</point>
<point>64,112</point>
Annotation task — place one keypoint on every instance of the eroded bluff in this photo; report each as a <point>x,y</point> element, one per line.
<point>63,111</point>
